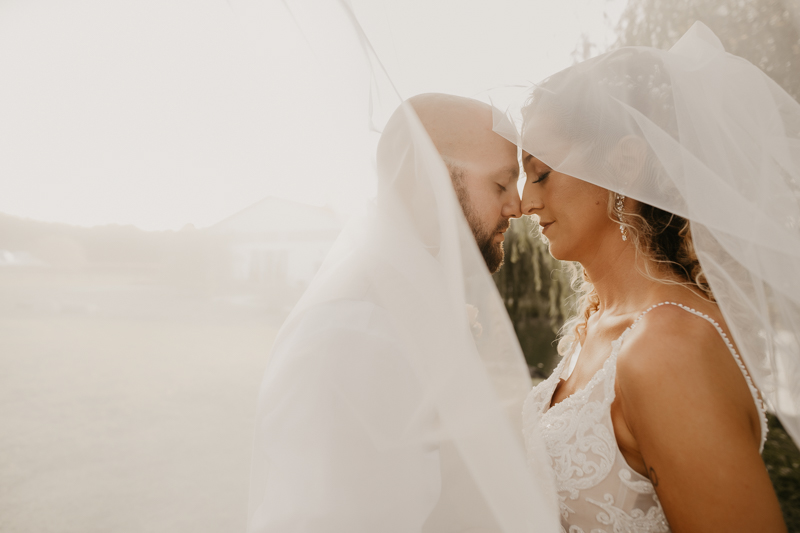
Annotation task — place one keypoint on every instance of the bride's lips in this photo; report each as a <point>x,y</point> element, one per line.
<point>545,225</point>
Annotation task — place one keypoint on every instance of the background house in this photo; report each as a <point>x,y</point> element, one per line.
<point>277,245</point>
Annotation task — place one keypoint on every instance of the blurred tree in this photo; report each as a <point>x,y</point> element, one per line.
<point>537,293</point>
<point>765,32</point>
<point>783,464</point>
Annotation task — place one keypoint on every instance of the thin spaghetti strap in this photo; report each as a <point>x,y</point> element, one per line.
<point>760,407</point>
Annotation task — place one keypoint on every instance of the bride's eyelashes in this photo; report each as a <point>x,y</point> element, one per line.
<point>542,177</point>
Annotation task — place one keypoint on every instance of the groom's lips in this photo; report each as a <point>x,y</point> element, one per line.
<point>545,225</point>
<point>501,229</point>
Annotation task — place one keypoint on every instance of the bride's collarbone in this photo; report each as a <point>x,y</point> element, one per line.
<point>595,350</point>
<point>596,344</point>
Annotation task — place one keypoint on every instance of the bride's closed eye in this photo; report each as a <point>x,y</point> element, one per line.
<point>542,177</point>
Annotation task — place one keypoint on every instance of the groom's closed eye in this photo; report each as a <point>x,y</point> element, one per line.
<point>508,178</point>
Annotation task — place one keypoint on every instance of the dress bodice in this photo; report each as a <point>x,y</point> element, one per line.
<point>598,492</point>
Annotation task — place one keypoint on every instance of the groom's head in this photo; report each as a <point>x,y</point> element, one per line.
<point>483,166</point>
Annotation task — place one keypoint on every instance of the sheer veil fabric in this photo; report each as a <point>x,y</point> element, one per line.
<point>712,139</point>
<point>392,400</point>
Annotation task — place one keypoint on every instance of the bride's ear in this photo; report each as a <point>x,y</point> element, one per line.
<point>627,158</point>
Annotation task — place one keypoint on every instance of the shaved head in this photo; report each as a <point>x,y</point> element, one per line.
<point>459,127</point>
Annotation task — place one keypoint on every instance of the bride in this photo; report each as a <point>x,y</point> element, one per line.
<point>670,179</point>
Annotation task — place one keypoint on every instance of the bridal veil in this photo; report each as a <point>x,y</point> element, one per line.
<point>393,395</point>
<point>708,136</point>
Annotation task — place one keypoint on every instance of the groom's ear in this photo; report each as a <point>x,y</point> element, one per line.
<point>628,157</point>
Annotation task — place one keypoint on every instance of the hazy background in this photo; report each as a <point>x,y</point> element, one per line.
<point>161,113</point>
<point>130,363</point>
<point>173,173</point>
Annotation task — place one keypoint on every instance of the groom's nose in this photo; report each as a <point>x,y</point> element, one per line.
<point>513,206</point>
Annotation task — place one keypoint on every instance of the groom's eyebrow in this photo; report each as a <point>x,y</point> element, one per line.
<point>512,173</point>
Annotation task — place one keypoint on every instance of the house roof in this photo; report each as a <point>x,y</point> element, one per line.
<point>278,216</point>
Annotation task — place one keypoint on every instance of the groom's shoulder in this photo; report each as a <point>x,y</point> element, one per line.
<point>344,314</point>
<point>338,334</point>
<point>338,323</point>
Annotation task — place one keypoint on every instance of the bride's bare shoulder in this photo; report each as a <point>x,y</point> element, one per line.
<point>671,338</point>
<point>676,360</point>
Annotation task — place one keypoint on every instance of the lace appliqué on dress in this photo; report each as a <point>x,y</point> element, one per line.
<point>581,447</point>
<point>651,521</point>
<point>583,453</point>
<point>598,492</point>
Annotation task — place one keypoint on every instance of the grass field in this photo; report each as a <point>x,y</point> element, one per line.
<point>127,425</point>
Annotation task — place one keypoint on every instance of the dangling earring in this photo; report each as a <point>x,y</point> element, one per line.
<point>618,207</point>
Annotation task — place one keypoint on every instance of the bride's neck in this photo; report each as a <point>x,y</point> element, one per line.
<point>621,283</point>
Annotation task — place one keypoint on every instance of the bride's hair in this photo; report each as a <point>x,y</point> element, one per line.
<point>663,239</point>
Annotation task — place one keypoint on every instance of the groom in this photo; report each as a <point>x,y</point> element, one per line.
<point>483,166</point>
<point>347,434</point>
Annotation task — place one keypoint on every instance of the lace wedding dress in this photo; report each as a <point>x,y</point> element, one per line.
<point>598,492</point>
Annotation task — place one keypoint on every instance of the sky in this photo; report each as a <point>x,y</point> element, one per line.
<point>163,113</point>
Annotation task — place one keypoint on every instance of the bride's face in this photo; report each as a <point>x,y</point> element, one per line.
<point>573,214</point>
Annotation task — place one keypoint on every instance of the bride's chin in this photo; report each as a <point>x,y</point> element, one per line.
<point>558,252</point>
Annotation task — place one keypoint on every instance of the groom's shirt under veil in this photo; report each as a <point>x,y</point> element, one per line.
<point>393,394</point>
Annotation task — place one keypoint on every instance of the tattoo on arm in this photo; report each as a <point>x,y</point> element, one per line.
<point>651,473</point>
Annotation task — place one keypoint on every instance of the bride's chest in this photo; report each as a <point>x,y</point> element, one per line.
<point>594,478</point>
<point>577,373</point>
<point>577,409</point>
<point>563,407</point>
<point>578,368</point>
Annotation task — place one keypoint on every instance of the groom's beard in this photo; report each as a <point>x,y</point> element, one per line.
<point>492,252</point>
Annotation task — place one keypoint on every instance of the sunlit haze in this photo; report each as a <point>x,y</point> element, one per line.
<point>162,113</point>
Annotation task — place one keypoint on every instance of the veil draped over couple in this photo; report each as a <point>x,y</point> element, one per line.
<point>397,397</point>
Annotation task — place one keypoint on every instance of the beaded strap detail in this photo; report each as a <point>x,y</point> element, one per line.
<point>760,407</point>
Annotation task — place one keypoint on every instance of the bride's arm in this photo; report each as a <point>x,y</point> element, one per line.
<point>693,418</point>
